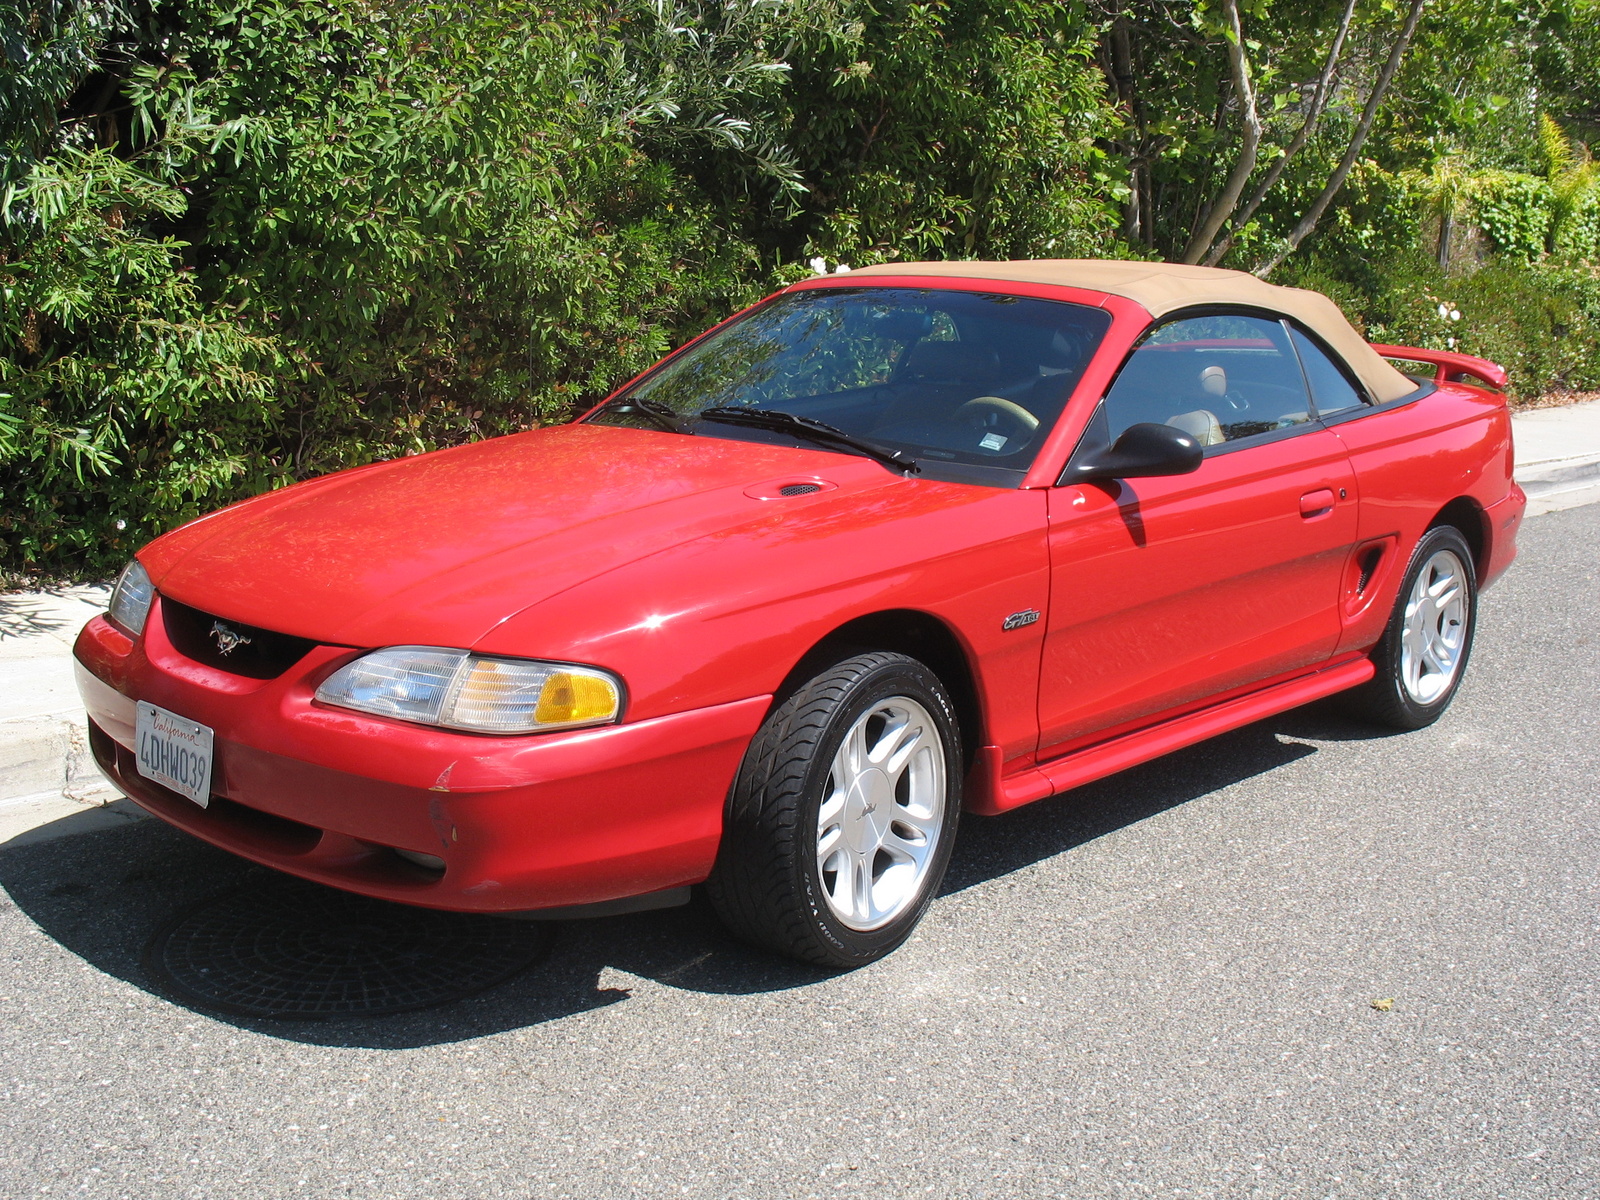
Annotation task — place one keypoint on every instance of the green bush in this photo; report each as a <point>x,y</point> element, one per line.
<point>244,242</point>
<point>250,241</point>
<point>1516,212</point>
<point>967,128</point>
<point>1539,321</point>
<point>331,234</point>
<point>127,397</point>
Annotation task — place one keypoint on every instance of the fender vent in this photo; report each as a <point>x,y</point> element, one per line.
<point>1369,564</point>
<point>798,489</point>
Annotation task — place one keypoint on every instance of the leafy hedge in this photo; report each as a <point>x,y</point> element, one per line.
<point>248,241</point>
<point>345,233</point>
<point>1542,323</point>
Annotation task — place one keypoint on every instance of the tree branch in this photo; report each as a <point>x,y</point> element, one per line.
<point>1121,72</point>
<point>1342,172</point>
<point>1249,144</point>
<point>1319,102</point>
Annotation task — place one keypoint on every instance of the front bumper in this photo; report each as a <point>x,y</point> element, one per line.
<point>521,823</point>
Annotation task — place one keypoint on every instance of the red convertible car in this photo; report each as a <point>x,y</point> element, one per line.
<point>891,545</point>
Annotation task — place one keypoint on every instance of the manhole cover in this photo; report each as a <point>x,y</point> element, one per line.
<point>291,950</point>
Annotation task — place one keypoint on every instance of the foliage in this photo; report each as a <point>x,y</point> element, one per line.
<point>118,363</point>
<point>1574,191</point>
<point>1542,323</point>
<point>1523,215</point>
<point>328,234</point>
<point>963,128</point>
<point>248,241</point>
<point>1515,212</point>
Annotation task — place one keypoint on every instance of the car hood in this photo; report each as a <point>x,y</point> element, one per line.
<point>440,548</point>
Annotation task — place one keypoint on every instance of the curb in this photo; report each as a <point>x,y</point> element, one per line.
<point>1558,474</point>
<point>1553,484</point>
<point>29,820</point>
<point>46,755</point>
<point>49,783</point>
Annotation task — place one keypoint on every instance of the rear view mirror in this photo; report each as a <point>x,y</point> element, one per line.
<point>1143,450</point>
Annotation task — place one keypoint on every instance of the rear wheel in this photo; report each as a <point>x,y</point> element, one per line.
<point>841,822</point>
<point>1425,647</point>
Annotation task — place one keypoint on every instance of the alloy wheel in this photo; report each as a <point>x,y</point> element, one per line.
<point>882,813</point>
<point>1434,632</point>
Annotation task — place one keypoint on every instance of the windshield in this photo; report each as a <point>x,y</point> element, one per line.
<point>965,383</point>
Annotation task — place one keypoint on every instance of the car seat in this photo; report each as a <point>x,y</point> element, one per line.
<point>1201,424</point>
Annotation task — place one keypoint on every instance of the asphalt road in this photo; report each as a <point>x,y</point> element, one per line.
<point>1161,985</point>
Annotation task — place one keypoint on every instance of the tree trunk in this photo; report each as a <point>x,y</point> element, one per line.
<point>1320,205</point>
<point>1135,218</point>
<point>1319,102</point>
<point>1249,143</point>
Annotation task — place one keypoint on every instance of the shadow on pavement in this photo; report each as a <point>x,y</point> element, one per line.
<point>101,895</point>
<point>25,616</point>
<point>28,614</point>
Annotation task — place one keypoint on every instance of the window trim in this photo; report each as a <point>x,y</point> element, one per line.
<point>1425,386</point>
<point>974,474</point>
<point>1200,311</point>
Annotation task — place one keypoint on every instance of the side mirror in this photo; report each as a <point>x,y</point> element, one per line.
<point>1143,450</point>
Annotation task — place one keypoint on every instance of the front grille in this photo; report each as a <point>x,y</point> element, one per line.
<point>228,645</point>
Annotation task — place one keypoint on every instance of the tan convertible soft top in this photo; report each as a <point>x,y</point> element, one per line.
<point>1162,288</point>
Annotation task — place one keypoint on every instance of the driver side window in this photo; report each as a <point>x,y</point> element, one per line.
<point>1218,378</point>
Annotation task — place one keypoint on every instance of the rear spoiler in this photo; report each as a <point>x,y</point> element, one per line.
<point>1453,368</point>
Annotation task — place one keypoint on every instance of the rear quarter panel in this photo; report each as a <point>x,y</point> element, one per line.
<point>1410,461</point>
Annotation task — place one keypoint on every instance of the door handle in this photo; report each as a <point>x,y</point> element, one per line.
<point>1314,504</point>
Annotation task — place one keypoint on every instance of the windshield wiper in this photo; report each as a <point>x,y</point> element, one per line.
<point>809,428</point>
<point>663,415</point>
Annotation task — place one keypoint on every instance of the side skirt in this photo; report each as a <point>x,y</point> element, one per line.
<point>1130,749</point>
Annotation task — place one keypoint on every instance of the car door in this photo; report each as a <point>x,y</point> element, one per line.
<point>1168,591</point>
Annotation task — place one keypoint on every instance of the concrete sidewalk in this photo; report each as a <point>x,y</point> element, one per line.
<point>49,785</point>
<point>1558,456</point>
<point>47,775</point>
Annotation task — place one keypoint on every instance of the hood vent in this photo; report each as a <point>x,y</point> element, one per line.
<point>787,488</point>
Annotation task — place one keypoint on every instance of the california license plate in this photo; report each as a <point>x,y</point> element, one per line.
<point>175,752</point>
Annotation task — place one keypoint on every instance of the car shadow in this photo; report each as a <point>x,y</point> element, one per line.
<point>101,895</point>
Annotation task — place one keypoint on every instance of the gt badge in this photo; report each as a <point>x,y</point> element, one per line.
<point>229,640</point>
<point>1018,619</point>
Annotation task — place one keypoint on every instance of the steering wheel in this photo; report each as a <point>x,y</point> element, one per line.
<point>997,414</point>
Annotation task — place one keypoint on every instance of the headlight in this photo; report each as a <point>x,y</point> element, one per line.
<point>458,690</point>
<point>130,599</point>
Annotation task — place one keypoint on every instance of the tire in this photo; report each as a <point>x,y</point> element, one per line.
<point>1426,634</point>
<point>854,898</point>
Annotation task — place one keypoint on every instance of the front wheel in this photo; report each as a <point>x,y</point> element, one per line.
<point>841,822</point>
<point>1424,649</point>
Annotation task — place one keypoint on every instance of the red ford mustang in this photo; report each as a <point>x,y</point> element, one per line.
<point>887,546</point>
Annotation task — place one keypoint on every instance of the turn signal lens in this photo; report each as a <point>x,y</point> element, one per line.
<point>131,599</point>
<point>576,698</point>
<point>513,695</point>
<point>434,686</point>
